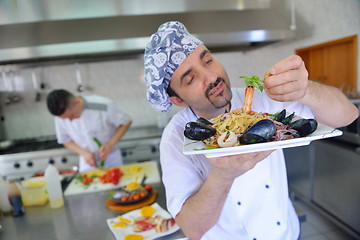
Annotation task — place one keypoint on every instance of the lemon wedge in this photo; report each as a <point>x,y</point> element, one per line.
<point>133,237</point>
<point>147,211</point>
<point>133,186</point>
<point>123,220</point>
<point>116,225</point>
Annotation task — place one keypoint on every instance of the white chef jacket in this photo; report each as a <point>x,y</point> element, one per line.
<point>100,118</point>
<point>257,206</point>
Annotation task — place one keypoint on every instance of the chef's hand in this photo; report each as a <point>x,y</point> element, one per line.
<point>287,80</point>
<point>90,158</point>
<point>233,166</point>
<point>105,150</point>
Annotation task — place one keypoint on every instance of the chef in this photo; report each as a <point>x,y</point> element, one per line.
<point>243,196</point>
<point>80,120</point>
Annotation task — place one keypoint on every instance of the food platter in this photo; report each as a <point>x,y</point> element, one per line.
<point>192,147</point>
<point>121,232</point>
<point>122,191</point>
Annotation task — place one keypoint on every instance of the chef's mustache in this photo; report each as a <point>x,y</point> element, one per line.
<point>213,85</point>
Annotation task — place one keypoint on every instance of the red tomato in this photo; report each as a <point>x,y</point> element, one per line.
<point>124,198</point>
<point>147,187</point>
<point>142,194</point>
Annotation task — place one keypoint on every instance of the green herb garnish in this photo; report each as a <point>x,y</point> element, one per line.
<point>254,81</point>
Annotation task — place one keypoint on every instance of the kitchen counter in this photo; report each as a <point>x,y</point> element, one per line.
<point>82,217</point>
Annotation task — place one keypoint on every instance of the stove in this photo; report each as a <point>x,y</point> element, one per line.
<point>28,157</point>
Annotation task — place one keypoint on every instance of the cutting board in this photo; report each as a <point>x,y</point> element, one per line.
<point>131,171</point>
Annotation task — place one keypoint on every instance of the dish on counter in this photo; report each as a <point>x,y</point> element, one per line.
<point>131,193</point>
<point>124,225</point>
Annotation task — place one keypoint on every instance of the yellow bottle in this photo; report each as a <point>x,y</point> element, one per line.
<point>53,187</point>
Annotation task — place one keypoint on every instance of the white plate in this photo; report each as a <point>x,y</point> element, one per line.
<point>197,147</point>
<point>120,233</point>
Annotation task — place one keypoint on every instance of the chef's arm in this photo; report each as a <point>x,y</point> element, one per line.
<point>329,105</point>
<point>120,131</point>
<point>88,156</point>
<point>202,210</point>
<point>107,147</point>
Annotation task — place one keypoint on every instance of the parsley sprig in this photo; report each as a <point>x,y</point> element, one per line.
<point>254,81</point>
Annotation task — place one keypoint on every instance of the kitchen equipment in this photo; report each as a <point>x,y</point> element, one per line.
<point>114,206</point>
<point>28,157</point>
<point>53,187</point>
<point>255,23</point>
<point>6,144</point>
<point>33,192</point>
<point>80,87</point>
<point>36,86</point>
<point>5,205</point>
<point>15,199</point>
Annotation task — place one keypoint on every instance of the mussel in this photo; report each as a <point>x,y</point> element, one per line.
<point>260,132</point>
<point>204,121</point>
<point>304,126</point>
<point>281,117</point>
<point>198,131</point>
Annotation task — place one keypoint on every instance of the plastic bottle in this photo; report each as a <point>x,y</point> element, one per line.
<point>15,199</point>
<point>53,186</point>
<point>5,205</point>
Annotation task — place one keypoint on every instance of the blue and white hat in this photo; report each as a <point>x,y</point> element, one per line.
<point>164,53</point>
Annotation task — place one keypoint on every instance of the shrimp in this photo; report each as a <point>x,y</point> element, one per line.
<point>249,94</point>
<point>251,82</point>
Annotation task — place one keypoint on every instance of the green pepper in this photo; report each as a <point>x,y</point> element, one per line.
<point>102,161</point>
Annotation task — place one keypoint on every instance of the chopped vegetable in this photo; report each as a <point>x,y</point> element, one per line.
<point>102,161</point>
<point>112,175</point>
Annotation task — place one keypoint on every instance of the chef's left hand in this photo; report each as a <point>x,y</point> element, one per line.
<point>105,150</point>
<point>287,80</point>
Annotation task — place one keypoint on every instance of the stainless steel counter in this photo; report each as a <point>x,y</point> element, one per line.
<point>82,217</point>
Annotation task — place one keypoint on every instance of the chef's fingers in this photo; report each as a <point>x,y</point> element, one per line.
<point>289,63</point>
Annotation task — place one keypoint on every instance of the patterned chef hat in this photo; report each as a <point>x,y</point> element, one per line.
<point>164,53</point>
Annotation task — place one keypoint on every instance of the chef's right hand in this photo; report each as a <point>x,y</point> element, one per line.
<point>233,166</point>
<point>90,158</point>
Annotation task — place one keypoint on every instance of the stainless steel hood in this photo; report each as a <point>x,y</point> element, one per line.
<point>50,29</point>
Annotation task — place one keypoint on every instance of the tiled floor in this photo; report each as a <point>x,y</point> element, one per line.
<point>317,227</point>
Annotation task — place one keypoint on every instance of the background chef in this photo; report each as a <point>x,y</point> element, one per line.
<point>78,120</point>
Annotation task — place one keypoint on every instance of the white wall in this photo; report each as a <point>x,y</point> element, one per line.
<point>318,21</point>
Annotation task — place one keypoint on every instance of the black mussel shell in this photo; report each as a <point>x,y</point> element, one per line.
<point>250,138</point>
<point>204,121</point>
<point>288,119</point>
<point>294,134</point>
<point>280,116</point>
<point>263,129</point>
<point>304,126</point>
<point>198,131</point>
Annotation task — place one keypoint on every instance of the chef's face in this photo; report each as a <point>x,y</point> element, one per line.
<point>73,111</point>
<point>201,82</point>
